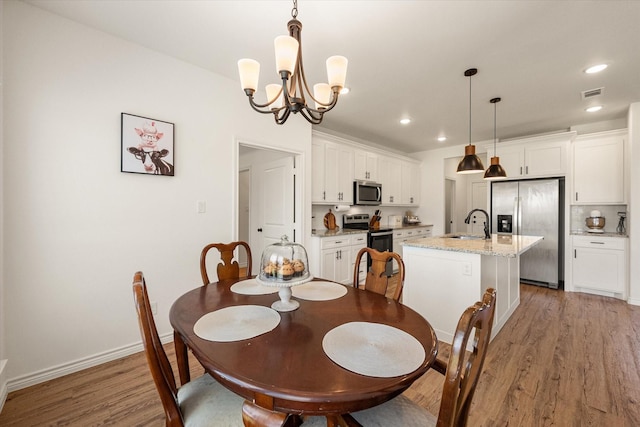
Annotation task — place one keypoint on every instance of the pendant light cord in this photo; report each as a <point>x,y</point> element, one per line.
<point>494,128</point>
<point>470,109</point>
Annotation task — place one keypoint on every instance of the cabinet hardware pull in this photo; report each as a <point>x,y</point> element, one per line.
<point>527,170</point>
<point>576,196</point>
<point>597,243</point>
<point>575,253</point>
<point>520,170</point>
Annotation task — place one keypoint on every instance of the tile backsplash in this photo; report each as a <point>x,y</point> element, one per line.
<point>579,213</point>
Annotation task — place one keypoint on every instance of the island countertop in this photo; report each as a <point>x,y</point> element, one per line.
<point>499,245</point>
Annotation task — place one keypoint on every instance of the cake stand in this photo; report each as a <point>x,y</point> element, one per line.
<point>284,291</point>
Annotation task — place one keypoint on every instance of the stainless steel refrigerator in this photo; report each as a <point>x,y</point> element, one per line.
<point>533,208</point>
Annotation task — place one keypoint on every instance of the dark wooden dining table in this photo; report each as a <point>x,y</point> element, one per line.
<point>285,373</point>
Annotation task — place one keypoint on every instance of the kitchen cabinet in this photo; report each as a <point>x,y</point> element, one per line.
<point>542,156</point>
<point>598,168</point>
<point>599,265</point>
<point>401,235</point>
<point>410,184</point>
<point>337,256</point>
<point>332,173</point>
<point>365,165</point>
<point>390,178</point>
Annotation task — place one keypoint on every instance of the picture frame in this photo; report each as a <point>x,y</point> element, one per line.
<point>147,145</point>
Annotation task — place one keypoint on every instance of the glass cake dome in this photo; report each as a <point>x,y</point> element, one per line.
<point>284,262</point>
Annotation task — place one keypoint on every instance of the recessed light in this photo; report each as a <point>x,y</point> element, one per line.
<point>345,90</point>
<point>442,138</point>
<point>594,109</point>
<point>405,121</point>
<point>595,68</point>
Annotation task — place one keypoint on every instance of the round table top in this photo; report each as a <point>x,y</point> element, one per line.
<point>288,364</point>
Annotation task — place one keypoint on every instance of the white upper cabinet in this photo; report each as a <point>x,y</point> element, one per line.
<point>410,191</point>
<point>365,165</point>
<point>599,169</point>
<point>332,173</point>
<point>390,178</point>
<point>337,162</point>
<point>534,157</point>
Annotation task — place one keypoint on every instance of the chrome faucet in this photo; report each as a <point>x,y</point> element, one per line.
<point>486,222</point>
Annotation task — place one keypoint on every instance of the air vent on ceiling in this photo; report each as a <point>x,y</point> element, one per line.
<point>591,93</point>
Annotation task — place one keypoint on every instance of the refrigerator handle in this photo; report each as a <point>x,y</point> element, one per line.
<point>517,220</point>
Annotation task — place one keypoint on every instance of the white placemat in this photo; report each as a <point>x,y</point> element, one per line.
<point>319,291</point>
<point>373,349</point>
<point>236,323</point>
<point>251,287</point>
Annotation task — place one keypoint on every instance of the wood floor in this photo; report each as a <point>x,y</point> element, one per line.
<point>563,359</point>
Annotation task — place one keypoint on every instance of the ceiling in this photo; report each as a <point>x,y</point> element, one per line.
<point>407,58</point>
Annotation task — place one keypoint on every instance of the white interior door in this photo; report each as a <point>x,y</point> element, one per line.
<point>276,216</point>
<point>450,206</point>
<point>478,201</point>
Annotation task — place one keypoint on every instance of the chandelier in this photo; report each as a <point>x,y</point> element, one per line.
<point>292,94</point>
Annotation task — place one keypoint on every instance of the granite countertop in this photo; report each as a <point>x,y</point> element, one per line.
<point>605,234</point>
<point>335,233</point>
<point>499,245</point>
<point>408,226</point>
<point>341,232</point>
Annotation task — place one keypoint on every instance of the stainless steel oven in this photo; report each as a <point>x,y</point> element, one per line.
<point>380,239</point>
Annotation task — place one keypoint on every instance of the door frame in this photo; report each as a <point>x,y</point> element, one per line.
<point>300,200</point>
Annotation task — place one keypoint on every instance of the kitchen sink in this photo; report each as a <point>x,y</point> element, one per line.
<point>464,237</point>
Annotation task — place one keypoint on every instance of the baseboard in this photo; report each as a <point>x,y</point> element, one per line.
<point>78,365</point>
<point>633,301</point>
<point>3,383</point>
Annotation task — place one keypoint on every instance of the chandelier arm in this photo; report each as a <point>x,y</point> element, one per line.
<point>257,107</point>
<point>311,118</point>
<point>282,118</point>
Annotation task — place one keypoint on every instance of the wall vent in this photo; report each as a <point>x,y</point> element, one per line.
<point>592,92</point>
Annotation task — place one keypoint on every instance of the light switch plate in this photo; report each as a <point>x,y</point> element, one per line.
<point>202,206</point>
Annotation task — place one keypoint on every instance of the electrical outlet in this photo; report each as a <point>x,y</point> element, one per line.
<point>154,308</point>
<point>466,268</point>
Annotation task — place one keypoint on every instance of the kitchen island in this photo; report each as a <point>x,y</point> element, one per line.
<point>447,274</point>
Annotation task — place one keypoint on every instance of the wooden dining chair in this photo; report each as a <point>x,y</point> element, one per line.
<point>201,402</point>
<point>461,376</point>
<point>228,268</point>
<point>377,280</point>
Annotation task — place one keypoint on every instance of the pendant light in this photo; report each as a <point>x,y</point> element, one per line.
<point>495,171</point>
<point>470,163</point>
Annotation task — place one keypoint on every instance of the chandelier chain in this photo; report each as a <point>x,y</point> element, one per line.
<point>294,11</point>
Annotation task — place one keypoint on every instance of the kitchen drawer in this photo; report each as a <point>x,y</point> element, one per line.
<point>359,239</point>
<point>335,242</point>
<point>398,234</point>
<point>599,242</point>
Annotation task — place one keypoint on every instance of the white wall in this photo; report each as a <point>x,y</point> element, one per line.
<point>3,371</point>
<point>76,228</point>
<point>634,204</point>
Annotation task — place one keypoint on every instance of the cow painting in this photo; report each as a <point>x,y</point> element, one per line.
<point>154,159</point>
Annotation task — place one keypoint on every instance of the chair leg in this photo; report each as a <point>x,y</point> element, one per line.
<point>182,358</point>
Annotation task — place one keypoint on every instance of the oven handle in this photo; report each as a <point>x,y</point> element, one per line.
<point>381,233</point>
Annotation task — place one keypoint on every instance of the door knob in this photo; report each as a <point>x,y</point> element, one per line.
<point>259,230</point>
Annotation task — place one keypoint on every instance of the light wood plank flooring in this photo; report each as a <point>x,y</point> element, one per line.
<point>563,359</point>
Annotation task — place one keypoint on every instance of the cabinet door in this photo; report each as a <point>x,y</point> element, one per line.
<point>599,269</point>
<point>318,192</point>
<point>391,175</point>
<point>409,183</point>
<point>328,264</point>
<point>511,160</point>
<point>545,159</point>
<point>365,165</point>
<point>344,269</point>
<point>598,170</point>
<point>345,175</point>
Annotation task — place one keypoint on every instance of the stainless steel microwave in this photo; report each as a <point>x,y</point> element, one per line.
<point>367,193</point>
